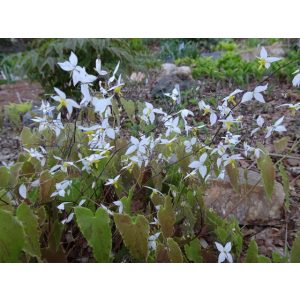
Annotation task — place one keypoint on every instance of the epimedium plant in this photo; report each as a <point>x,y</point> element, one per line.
<point>129,179</point>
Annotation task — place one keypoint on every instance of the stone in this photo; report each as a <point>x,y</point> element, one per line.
<point>277,50</point>
<point>137,76</point>
<point>213,55</point>
<point>167,83</point>
<point>183,72</point>
<point>168,69</point>
<point>293,162</point>
<point>34,112</point>
<point>256,208</point>
<point>170,76</point>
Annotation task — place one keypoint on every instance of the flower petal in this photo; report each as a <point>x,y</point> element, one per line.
<point>247,97</point>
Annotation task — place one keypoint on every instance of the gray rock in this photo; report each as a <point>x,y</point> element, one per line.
<point>248,207</point>
<point>167,83</point>
<point>277,50</point>
<point>34,112</point>
<point>168,69</point>
<point>213,55</point>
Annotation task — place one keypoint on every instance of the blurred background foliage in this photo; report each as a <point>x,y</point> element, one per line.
<point>36,59</point>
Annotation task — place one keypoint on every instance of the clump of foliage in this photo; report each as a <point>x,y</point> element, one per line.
<point>107,179</point>
<point>39,63</point>
<point>229,68</point>
<point>172,49</point>
<point>13,113</point>
<point>233,69</point>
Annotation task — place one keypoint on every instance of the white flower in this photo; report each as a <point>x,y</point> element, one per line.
<point>296,79</point>
<point>36,154</point>
<point>231,139</point>
<point>87,98</point>
<point>117,87</point>
<point>231,97</point>
<point>291,106</point>
<point>256,151</point>
<point>101,104</point>
<point>154,191</point>
<point>120,206</point>
<point>276,127</point>
<point>137,145</point>
<point>68,219</point>
<point>220,149</point>
<point>184,113</point>
<point>229,121</point>
<point>63,166</point>
<point>224,252</point>
<point>207,109</point>
<point>199,164</point>
<point>98,68</point>
<point>231,159</point>
<point>23,191</point>
<point>80,75</point>
<point>7,165</point>
<point>264,60</point>
<point>61,206</point>
<point>113,181</point>
<point>155,220</point>
<point>107,210</point>
<point>172,126</point>
<point>71,64</point>
<point>64,102</point>
<point>61,188</point>
<point>149,113</point>
<point>167,142</point>
<point>256,94</point>
<point>189,145</point>
<point>152,241</point>
<point>175,95</point>
<point>46,108</point>
<point>113,77</point>
<point>260,122</point>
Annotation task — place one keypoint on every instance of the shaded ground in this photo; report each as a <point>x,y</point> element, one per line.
<point>20,91</point>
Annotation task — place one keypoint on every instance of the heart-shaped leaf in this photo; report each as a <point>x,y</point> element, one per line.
<point>96,229</point>
<point>11,237</point>
<point>135,233</point>
<point>166,218</point>
<point>30,225</point>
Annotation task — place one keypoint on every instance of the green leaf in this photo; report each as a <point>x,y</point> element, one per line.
<point>129,107</point>
<point>278,258</point>
<point>161,254</point>
<point>286,184</point>
<point>96,230</point>
<point>295,252</point>
<point>47,186</point>
<point>175,253</point>
<point>193,251</point>
<point>54,238</point>
<point>166,218</point>
<point>28,138</point>
<point>281,144</point>
<point>267,169</point>
<point>30,225</point>
<point>233,174</point>
<point>11,238</point>
<point>135,234</point>
<point>252,253</point>
<point>4,177</point>
<point>263,259</point>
